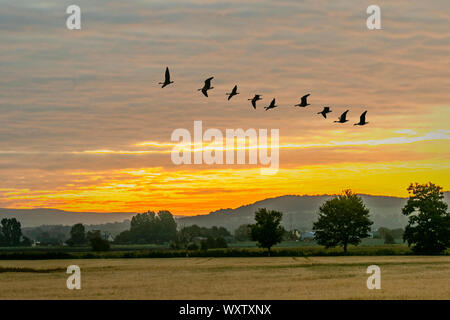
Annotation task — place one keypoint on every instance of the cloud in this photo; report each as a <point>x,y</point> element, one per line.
<point>86,99</point>
<point>406,131</point>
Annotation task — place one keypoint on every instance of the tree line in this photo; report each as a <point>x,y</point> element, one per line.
<point>342,221</point>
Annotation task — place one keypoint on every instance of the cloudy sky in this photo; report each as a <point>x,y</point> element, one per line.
<point>84,125</point>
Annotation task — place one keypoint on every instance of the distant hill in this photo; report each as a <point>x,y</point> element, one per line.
<point>62,232</point>
<point>300,212</point>
<point>38,217</point>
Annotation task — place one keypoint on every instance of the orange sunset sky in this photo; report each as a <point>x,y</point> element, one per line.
<point>84,125</point>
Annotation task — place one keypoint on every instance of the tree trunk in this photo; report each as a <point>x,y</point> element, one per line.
<point>268,251</point>
<point>345,247</point>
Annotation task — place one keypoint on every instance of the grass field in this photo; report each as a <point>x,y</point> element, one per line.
<point>239,244</point>
<point>402,277</point>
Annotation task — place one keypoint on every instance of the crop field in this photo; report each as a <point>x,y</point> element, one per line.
<point>343,277</point>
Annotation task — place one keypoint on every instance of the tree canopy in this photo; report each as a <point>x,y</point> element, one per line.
<point>77,235</point>
<point>150,227</point>
<point>267,230</point>
<point>428,229</point>
<point>342,220</point>
<point>11,233</point>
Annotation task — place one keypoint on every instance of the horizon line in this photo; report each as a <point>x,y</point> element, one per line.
<point>201,214</point>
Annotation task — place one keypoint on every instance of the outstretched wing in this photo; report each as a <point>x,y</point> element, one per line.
<point>254,103</point>
<point>344,116</point>
<point>205,92</point>
<point>272,103</point>
<point>208,82</point>
<point>167,75</point>
<point>362,119</point>
<point>304,99</point>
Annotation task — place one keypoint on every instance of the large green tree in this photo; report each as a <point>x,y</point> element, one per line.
<point>167,227</point>
<point>150,227</point>
<point>77,235</point>
<point>428,229</point>
<point>10,232</point>
<point>267,230</point>
<point>215,237</point>
<point>343,220</point>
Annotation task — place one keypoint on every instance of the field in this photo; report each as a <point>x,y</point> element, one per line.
<point>402,277</point>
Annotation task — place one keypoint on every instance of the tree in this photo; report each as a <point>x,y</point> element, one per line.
<point>77,235</point>
<point>150,227</point>
<point>383,231</point>
<point>267,230</point>
<point>389,238</point>
<point>166,226</point>
<point>428,229</point>
<point>99,244</point>
<point>343,220</point>
<point>93,234</point>
<point>123,238</point>
<point>213,243</point>
<point>242,233</point>
<point>217,232</point>
<point>26,242</point>
<point>10,232</point>
<point>142,227</point>
<point>291,235</point>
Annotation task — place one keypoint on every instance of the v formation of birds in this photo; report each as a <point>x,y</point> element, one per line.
<point>303,102</point>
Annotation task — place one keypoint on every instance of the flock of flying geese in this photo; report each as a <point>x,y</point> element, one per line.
<point>303,103</point>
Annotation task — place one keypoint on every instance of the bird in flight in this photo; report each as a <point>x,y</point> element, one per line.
<point>255,98</point>
<point>324,112</point>
<point>343,117</point>
<point>303,103</point>
<point>233,93</point>
<point>271,105</point>
<point>206,86</point>
<point>167,79</point>
<point>362,119</point>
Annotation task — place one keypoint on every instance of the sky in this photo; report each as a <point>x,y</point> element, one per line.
<point>84,125</point>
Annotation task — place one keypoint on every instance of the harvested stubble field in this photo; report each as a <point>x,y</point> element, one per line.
<point>402,277</point>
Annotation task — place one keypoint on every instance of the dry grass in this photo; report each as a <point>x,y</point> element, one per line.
<point>406,277</point>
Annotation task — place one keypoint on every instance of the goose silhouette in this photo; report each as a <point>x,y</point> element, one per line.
<point>167,79</point>
<point>206,87</point>
<point>362,119</point>
<point>256,98</point>
<point>303,103</point>
<point>271,105</point>
<point>343,118</point>
<point>324,112</point>
<point>233,93</point>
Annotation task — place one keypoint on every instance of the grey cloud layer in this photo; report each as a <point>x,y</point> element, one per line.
<point>74,91</point>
